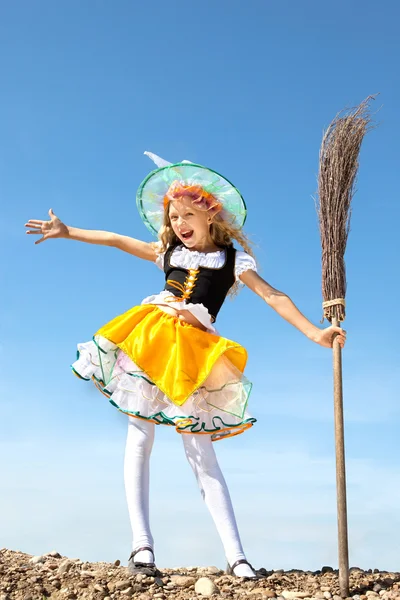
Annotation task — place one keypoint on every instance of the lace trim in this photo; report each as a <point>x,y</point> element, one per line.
<point>183,423</point>
<point>242,269</point>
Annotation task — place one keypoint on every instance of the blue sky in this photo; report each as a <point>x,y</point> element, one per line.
<point>247,89</point>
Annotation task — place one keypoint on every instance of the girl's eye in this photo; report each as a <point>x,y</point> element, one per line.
<point>189,214</point>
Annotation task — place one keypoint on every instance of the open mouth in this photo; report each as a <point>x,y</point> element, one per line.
<point>187,234</point>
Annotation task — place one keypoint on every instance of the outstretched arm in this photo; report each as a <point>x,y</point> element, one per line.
<point>284,306</point>
<point>55,228</point>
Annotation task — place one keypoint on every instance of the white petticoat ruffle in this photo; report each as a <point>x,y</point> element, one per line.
<point>199,311</point>
<point>192,259</point>
<point>129,389</point>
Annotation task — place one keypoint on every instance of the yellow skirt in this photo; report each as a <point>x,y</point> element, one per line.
<point>148,362</point>
<point>176,356</point>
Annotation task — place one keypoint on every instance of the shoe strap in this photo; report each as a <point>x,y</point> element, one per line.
<point>141,550</point>
<point>242,561</point>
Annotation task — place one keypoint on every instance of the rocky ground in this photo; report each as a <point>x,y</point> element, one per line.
<point>26,577</point>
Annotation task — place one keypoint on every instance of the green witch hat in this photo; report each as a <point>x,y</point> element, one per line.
<point>152,191</point>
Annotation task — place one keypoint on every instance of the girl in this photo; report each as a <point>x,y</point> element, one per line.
<point>163,362</point>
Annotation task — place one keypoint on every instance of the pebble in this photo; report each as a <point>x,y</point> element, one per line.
<point>87,574</point>
<point>82,585</point>
<point>205,586</point>
<point>36,560</point>
<point>65,566</point>
<point>183,580</point>
<point>53,554</point>
<point>122,585</point>
<point>117,563</point>
<point>290,595</point>
<point>266,594</point>
<point>213,571</point>
<point>128,592</point>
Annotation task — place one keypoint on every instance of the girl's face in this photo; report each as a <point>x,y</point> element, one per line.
<point>191,226</point>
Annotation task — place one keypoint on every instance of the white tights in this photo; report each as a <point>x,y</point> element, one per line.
<point>201,456</point>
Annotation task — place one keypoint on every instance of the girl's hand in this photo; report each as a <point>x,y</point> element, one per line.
<point>325,337</point>
<point>48,229</point>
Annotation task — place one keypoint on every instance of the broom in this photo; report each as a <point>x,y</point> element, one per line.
<point>338,166</point>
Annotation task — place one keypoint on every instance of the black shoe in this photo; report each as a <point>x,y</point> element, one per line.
<point>148,569</point>
<point>243,561</point>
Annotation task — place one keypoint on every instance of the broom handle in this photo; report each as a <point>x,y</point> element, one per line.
<point>340,469</point>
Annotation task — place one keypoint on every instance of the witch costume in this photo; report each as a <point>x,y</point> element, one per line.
<point>157,367</point>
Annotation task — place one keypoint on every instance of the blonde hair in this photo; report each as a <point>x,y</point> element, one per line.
<point>222,231</point>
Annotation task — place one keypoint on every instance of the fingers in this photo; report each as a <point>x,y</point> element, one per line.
<point>42,239</point>
<point>331,335</point>
<point>340,339</point>
<point>34,223</point>
<point>339,334</point>
<point>35,229</point>
<point>39,227</point>
<point>338,330</point>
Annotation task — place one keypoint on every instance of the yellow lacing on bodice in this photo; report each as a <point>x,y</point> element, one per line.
<point>186,288</point>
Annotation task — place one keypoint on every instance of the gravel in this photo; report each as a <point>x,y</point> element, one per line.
<point>26,577</point>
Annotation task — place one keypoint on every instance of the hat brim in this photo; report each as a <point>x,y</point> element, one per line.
<point>151,192</point>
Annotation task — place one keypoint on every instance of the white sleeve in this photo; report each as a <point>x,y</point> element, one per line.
<point>244,262</point>
<point>160,255</point>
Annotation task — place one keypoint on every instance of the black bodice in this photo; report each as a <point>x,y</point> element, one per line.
<point>202,285</point>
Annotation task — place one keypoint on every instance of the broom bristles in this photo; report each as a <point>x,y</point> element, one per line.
<point>338,166</point>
